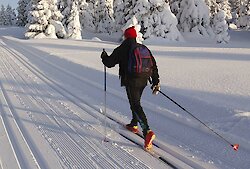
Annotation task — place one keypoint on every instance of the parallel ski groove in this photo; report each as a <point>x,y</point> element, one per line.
<point>53,108</point>
<point>9,132</point>
<point>70,96</point>
<point>6,123</point>
<point>71,137</point>
<point>59,125</point>
<point>22,132</point>
<point>73,151</point>
<point>128,163</point>
<point>154,154</point>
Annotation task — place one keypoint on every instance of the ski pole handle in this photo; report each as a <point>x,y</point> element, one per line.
<point>104,53</point>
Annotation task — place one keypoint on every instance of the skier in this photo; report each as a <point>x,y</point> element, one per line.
<point>134,85</point>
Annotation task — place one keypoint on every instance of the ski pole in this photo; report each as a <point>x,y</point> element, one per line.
<point>105,102</point>
<point>235,146</point>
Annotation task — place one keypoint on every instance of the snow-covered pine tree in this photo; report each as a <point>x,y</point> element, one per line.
<point>64,6</point>
<point>224,5</point>
<point>234,4</point>
<point>234,9</point>
<point>2,15</point>
<point>73,23</point>
<point>208,2</point>
<point>37,20</point>
<point>105,16</point>
<point>22,13</point>
<point>160,22</point>
<point>119,15</point>
<point>61,5</point>
<point>244,14</point>
<point>213,7</point>
<point>193,16</point>
<point>43,20</point>
<point>174,6</point>
<point>155,18</point>
<point>10,16</point>
<point>13,17</point>
<point>71,20</point>
<point>142,7</point>
<point>217,5</point>
<point>82,5</point>
<point>56,19</point>
<point>248,14</point>
<point>87,15</point>
<point>138,8</point>
<point>7,15</point>
<point>128,10</point>
<point>221,27</point>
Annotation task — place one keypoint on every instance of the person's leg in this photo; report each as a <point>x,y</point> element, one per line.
<point>134,120</point>
<point>134,96</point>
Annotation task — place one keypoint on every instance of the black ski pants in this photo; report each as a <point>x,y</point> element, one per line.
<point>134,96</point>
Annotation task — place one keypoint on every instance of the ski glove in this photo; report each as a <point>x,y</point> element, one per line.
<point>156,88</point>
<point>104,54</point>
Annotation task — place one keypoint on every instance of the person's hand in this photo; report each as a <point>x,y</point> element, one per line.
<point>156,88</point>
<point>104,54</point>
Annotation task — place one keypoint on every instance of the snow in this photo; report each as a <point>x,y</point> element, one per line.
<point>52,95</point>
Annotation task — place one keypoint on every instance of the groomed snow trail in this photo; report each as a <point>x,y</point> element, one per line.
<point>48,126</point>
<point>61,102</point>
<point>45,129</point>
<point>52,93</point>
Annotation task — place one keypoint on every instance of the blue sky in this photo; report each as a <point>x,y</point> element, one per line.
<point>13,3</point>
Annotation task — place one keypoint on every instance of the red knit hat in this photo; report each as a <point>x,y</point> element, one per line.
<point>130,33</point>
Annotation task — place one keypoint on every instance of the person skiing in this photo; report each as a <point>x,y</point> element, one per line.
<point>134,84</point>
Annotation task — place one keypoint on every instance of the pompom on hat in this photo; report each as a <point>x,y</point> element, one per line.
<point>130,32</point>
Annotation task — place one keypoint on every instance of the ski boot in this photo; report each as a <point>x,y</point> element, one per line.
<point>132,128</point>
<point>150,136</point>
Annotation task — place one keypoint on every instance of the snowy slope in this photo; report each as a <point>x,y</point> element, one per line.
<point>52,93</point>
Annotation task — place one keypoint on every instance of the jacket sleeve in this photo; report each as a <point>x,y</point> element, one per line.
<point>112,60</point>
<point>155,76</point>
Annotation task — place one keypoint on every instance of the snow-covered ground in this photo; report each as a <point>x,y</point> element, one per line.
<point>52,104</point>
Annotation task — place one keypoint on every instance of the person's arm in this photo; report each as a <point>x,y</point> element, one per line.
<point>112,60</point>
<point>155,78</point>
<point>155,74</point>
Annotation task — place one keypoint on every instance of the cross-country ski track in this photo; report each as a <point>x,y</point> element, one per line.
<point>47,110</point>
<point>48,125</point>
